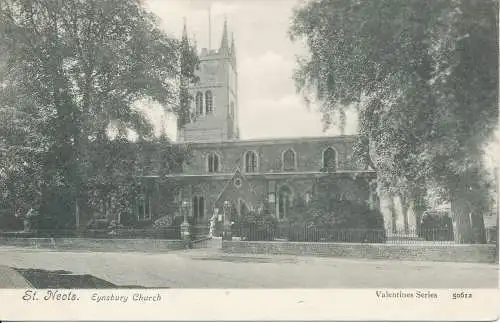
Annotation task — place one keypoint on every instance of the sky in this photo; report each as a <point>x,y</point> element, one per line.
<point>269,104</point>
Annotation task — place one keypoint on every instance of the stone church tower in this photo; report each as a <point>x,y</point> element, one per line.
<point>214,105</point>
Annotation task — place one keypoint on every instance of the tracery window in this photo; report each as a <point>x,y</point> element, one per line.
<point>209,102</point>
<point>289,160</point>
<point>213,163</point>
<point>250,162</point>
<point>329,159</point>
<point>199,103</point>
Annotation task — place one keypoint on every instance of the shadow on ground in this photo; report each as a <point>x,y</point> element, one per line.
<point>45,279</point>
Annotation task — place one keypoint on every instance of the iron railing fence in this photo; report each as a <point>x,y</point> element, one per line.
<point>172,233</point>
<point>199,231</point>
<point>267,232</point>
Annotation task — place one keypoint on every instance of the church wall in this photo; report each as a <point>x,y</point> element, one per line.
<point>208,189</point>
<point>299,187</point>
<point>309,156</point>
<point>211,188</point>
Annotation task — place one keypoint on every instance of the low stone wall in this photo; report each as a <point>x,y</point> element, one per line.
<point>87,244</point>
<point>412,252</point>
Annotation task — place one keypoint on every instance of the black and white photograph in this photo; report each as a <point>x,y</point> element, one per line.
<point>234,144</point>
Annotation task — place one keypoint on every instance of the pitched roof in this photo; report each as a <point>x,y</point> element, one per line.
<point>237,187</point>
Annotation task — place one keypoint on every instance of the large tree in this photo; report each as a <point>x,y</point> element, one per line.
<point>423,77</point>
<point>73,69</point>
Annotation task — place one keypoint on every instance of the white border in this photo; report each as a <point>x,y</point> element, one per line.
<point>257,305</point>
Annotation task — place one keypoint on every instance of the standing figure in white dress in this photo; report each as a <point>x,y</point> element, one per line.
<point>212,225</point>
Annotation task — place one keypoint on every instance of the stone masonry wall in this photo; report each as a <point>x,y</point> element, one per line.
<point>86,244</point>
<point>308,155</point>
<point>451,253</point>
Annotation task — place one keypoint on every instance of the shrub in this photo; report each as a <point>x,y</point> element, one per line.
<point>339,221</point>
<point>257,226</point>
<point>436,226</point>
<point>167,227</point>
<point>163,222</point>
<point>10,222</point>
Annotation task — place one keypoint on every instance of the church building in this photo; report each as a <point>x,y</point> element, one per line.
<point>226,170</point>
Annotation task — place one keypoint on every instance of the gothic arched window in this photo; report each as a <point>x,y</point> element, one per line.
<point>213,163</point>
<point>209,102</point>
<point>329,159</point>
<point>284,202</point>
<point>199,103</point>
<point>289,160</point>
<point>250,162</point>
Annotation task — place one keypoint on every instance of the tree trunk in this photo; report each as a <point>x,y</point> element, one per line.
<point>77,216</point>
<point>392,210</point>
<point>418,206</point>
<point>461,221</point>
<point>419,213</point>
<point>468,223</point>
<point>404,209</point>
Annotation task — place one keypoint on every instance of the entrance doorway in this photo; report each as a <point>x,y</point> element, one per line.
<point>198,209</point>
<point>284,202</point>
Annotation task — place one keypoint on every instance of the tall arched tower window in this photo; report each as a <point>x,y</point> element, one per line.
<point>250,162</point>
<point>289,163</point>
<point>213,163</point>
<point>199,103</point>
<point>329,159</point>
<point>209,102</point>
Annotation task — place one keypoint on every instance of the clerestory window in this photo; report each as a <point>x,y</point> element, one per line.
<point>329,159</point>
<point>213,163</point>
<point>209,102</point>
<point>199,103</point>
<point>250,162</point>
<point>289,162</point>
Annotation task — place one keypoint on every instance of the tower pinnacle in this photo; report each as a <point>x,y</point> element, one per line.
<point>184,28</point>
<point>224,45</point>
<point>233,46</point>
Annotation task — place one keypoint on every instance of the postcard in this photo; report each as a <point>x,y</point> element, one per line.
<point>249,160</point>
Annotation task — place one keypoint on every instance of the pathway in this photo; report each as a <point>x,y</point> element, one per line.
<point>210,268</point>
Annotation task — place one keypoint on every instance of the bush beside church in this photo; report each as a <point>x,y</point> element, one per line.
<point>336,220</point>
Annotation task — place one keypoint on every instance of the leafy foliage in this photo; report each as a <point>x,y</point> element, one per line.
<point>420,75</point>
<point>70,70</point>
<point>436,226</point>
<point>115,182</point>
<point>256,226</point>
<point>331,216</point>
